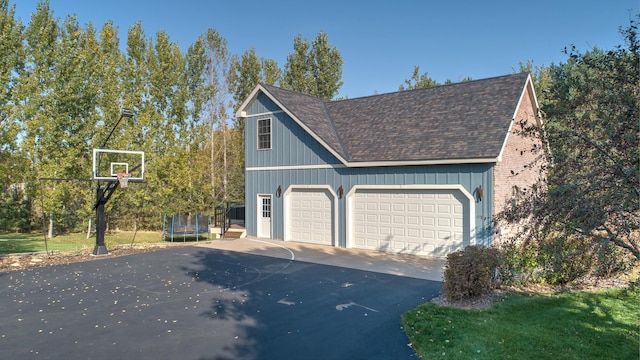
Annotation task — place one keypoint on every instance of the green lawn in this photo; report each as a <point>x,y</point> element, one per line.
<point>20,243</point>
<point>573,325</point>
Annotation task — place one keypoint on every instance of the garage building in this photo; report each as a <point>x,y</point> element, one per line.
<point>421,171</point>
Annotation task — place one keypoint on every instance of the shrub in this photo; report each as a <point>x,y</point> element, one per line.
<point>519,262</point>
<point>559,260</point>
<point>470,273</point>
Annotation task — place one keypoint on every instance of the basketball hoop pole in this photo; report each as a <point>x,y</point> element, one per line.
<point>102,196</point>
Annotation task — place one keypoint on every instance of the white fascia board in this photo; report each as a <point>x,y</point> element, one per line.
<point>375,164</point>
<point>421,162</point>
<point>534,100</point>
<point>295,167</point>
<point>242,110</point>
<point>504,143</point>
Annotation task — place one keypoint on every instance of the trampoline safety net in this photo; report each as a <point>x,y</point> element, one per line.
<point>186,227</point>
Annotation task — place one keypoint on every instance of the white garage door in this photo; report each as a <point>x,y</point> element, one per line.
<point>311,216</point>
<point>417,221</point>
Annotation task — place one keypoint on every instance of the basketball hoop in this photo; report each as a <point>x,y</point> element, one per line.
<point>123,178</point>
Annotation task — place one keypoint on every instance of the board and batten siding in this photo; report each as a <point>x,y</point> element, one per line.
<point>268,181</point>
<point>290,144</point>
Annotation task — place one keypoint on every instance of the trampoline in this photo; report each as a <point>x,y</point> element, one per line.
<point>186,227</point>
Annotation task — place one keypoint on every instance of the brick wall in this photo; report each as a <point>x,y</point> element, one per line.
<point>517,171</point>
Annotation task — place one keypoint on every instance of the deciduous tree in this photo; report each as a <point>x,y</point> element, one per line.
<point>314,68</point>
<point>417,81</point>
<point>11,62</point>
<point>587,209</point>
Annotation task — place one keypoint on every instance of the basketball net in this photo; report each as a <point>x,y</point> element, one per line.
<point>123,178</point>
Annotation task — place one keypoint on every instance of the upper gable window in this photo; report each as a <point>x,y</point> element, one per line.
<point>264,134</point>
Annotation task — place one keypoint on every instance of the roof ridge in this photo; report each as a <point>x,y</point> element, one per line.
<point>466,82</point>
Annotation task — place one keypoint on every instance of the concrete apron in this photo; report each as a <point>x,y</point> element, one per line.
<point>413,266</point>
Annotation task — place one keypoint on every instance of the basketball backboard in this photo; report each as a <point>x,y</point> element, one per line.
<point>108,163</point>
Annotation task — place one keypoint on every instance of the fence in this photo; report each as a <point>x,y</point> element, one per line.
<point>225,216</point>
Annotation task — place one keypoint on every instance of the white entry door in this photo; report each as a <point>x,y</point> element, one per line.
<point>264,216</point>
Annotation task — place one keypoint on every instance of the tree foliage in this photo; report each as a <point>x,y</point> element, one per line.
<point>246,75</point>
<point>588,208</point>
<point>63,88</point>
<point>314,68</point>
<point>417,81</point>
<point>11,62</point>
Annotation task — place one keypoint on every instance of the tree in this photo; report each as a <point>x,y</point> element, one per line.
<point>314,68</point>
<point>541,76</point>
<point>246,75</point>
<point>247,72</point>
<point>417,81</point>
<point>588,208</point>
<point>11,62</point>
<point>297,70</point>
<point>271,73</point>
<point>326,67</point>
<point>218,72</point>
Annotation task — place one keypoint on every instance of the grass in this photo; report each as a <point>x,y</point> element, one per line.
<point>13,243</point>
<point>573,325</point>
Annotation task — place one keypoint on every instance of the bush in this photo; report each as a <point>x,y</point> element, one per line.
<point>519,262</point>
<point>470,273</point>
<point>560,260</point>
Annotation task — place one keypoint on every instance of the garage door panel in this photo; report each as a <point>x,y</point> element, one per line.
<point>428,208</point>
<point>398,207</point>
<point>428,221</point>
<point>398,220</point>
<point>445,235</point>
<point>428,235</point>
<point>444,209</point>
<point>424,221</point>
<point>311,216</point>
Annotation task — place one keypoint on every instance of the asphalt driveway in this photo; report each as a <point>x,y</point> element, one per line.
<point>203,303</point>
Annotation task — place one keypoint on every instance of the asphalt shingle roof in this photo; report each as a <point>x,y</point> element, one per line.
<point>467,120</point>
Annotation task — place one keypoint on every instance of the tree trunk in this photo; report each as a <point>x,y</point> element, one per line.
<point>89,228</point>
<point>50,234</point>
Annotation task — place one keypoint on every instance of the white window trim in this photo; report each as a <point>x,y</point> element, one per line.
<point>270,134</point>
